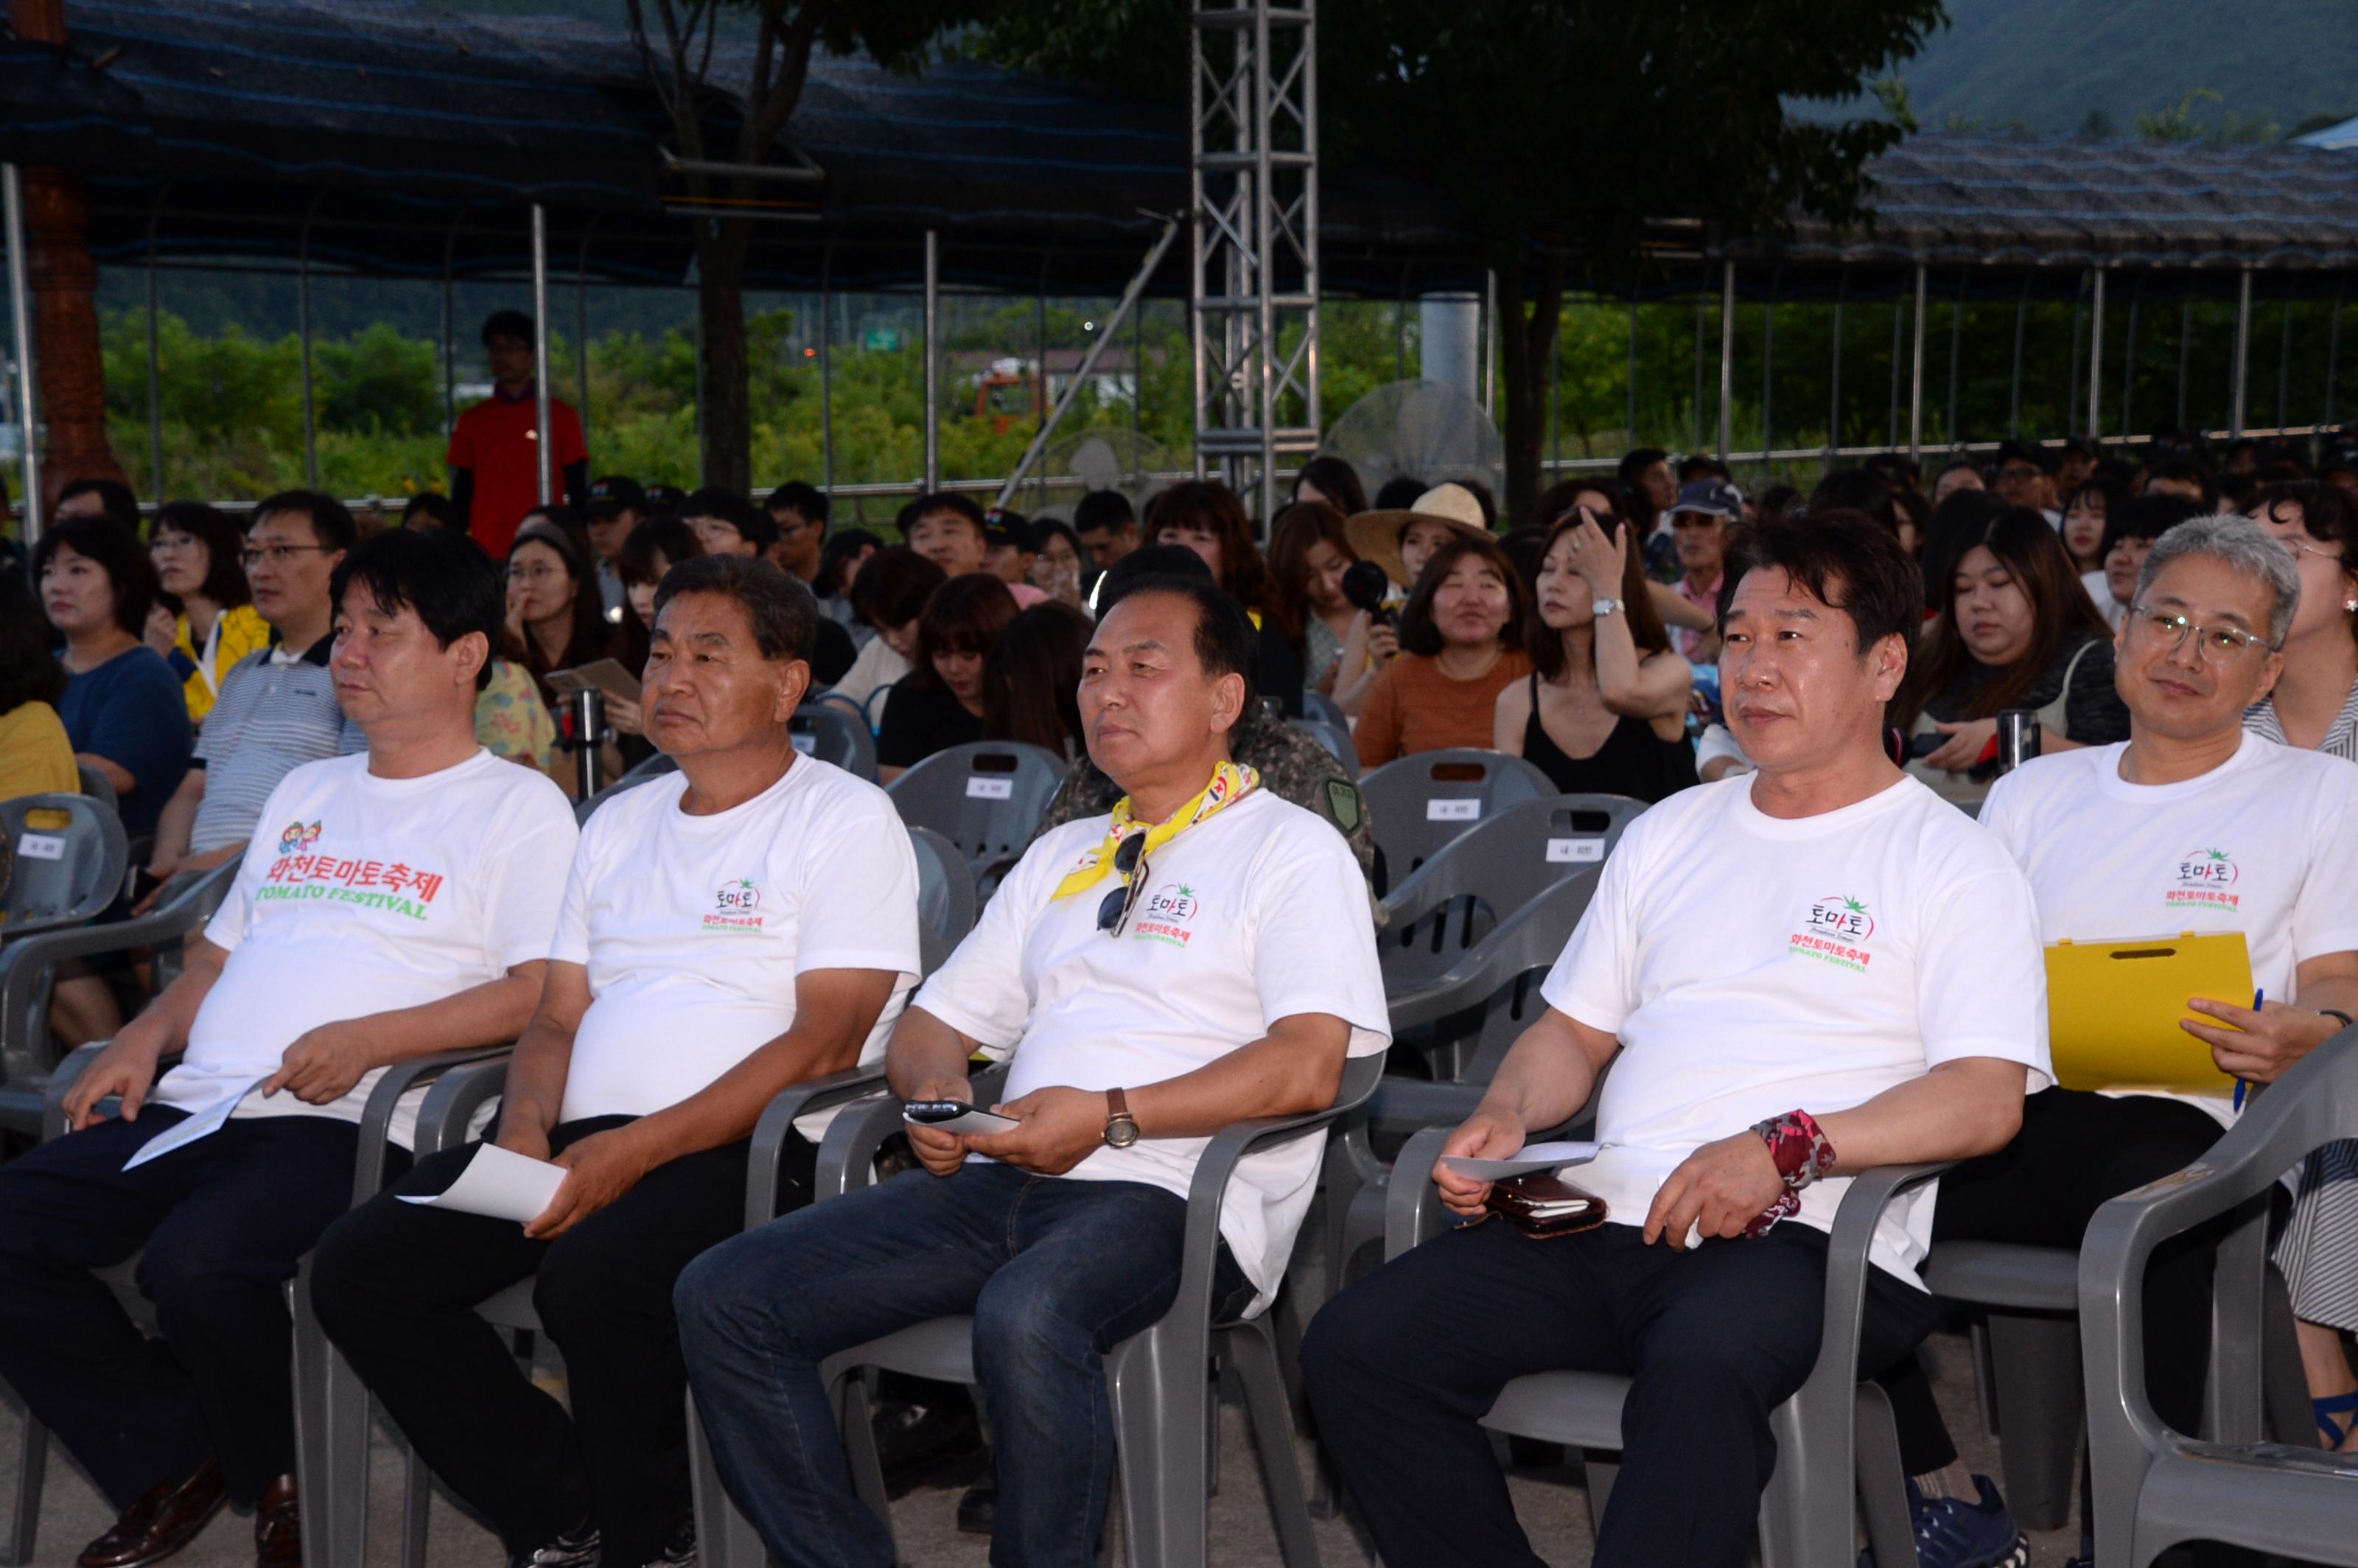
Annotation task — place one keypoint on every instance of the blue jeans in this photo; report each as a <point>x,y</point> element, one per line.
<point>1054,1271</point>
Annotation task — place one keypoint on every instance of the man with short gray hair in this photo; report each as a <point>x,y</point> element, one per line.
<point>2192,825</point>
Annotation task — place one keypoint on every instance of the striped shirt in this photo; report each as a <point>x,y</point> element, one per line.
<point>272,715</point>
<point>2340,735</point>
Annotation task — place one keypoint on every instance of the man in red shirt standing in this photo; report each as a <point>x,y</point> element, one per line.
<point>494,451</point>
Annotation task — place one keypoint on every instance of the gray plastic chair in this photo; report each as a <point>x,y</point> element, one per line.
<point>98,786</point>
<point>1807,1514</point>
<point>2156,1489</point>
<point>986,798</point>
<point>60,875</point>
<point>1419,803</point>
<point>1162,1408</point>
<point>26,1052</point>
<point>331,1453</point>
<point>833,733</point>
<point>368,1176</point>
<point>1476,881</point>
<point>1501,978</point>
<point>945,896</point>
<point>1324,710</point>
<point>655,767</point>
<point>332,1405</point>
<point>1336,738</point>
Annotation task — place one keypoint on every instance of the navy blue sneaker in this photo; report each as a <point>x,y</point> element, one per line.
<point>1952,1533</point>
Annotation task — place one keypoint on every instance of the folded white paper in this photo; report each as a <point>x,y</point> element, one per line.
<point>499,1184</point>
<point>1533,1157</point>
<point>204,1124</point>
<point>973,1124</point>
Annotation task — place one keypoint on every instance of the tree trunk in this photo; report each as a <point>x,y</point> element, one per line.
<point>720,250</point>
<point>1525,348</point>
<point>64,281</point>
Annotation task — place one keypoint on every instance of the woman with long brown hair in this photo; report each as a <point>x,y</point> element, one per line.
<point>939,704</point>
<point>2017,631</point>
<point>1309,550</point>
<point>1032,680</point>
<point>1462,643</point>
<point>1605,709</point>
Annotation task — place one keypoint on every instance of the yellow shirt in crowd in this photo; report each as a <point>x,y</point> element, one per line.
<point>36,758</point>
<point>243,629</point>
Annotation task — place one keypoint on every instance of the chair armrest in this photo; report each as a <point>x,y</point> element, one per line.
<point>2313,1104</point>
<point>62,1082</point>
<point>777,1124</point>
<point>846,1156</point>
<point>24,959</point>
<point>1208,1190</point>
<point>376,1115</point>
<point>1836,1375</point>
<point>457,1094</point>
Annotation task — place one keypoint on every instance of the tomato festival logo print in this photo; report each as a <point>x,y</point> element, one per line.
<point>736,907</point>
<point>1169,916</point>
<point>2206,880</point>
<point>1837,931</point>
<point>389,885</point>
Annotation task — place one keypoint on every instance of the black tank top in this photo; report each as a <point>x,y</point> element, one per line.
<point>1634,760</point>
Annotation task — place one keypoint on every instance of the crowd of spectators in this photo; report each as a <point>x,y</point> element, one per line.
<point>2183,635</point>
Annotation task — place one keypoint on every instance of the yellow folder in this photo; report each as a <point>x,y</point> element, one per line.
<point>2112,1010</point>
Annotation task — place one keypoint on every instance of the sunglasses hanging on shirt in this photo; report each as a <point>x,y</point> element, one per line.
<point>1129,861</point>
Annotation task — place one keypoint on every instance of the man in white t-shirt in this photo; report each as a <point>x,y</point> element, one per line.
<point>729,931</point>
<point>1857,985</point>
<point>2192,825</point>
<point>1202,955</point>
<point>395,904</point>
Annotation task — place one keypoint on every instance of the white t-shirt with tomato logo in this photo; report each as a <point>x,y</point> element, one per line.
<point>361,895</point>
<point>694,928</point>
<point>1256,914</point>
<point>1753,965</point>
<point>2265,843</point>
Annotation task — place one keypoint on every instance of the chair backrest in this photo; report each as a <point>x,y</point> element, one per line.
<point>655,767</point>
<point>1336,738</point>
<point>985,798</point>
<point>945,896</point>
<point>69,855</point>
<point>98,786</point>
<point>1477,1006</point>
<point>1317,705</point>
<point>1477,880</point>
<point>833,733</point>
<point>1420,802</point>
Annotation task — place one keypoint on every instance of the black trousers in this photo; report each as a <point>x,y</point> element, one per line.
<point>2077,1151</point>
<point>396,1287</point>
<point>1401,1367</point>
<point>223,1222</point>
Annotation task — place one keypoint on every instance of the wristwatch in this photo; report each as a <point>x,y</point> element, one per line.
<point>1609,606</point>
<point>1120,1128</point>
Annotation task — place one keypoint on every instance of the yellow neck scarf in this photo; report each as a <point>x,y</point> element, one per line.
<point>1231,782</point>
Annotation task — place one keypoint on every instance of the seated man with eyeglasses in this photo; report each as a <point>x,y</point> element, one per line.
<point>2192,825</point>
<point>1201,956</point>
<point>277,709</point>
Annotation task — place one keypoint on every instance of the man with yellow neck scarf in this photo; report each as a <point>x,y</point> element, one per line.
<point>1201,956</point>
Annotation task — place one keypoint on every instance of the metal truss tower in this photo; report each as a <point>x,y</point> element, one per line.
<point>1253,147</point>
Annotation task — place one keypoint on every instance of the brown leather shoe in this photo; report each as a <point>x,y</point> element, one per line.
<point>160,1523</point>
<point>279,1527</point>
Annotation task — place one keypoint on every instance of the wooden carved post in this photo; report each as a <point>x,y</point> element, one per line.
<point>65,310</point>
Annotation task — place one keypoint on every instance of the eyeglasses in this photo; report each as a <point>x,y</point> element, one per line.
<point>2299,546</point>
<point>2219,645</point>
<point>163,541</point>
<point>532,574</point>
<point>1129,860</point>
<point>277,555</point>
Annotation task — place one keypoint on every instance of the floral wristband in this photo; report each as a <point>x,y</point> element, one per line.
<point>1798,1145</point>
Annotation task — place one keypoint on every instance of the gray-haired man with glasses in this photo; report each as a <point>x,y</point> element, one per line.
<point>2192,825</point>
<point>277,706</point>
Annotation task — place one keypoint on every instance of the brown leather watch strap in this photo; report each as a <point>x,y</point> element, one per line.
<point>1117,1105</point>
